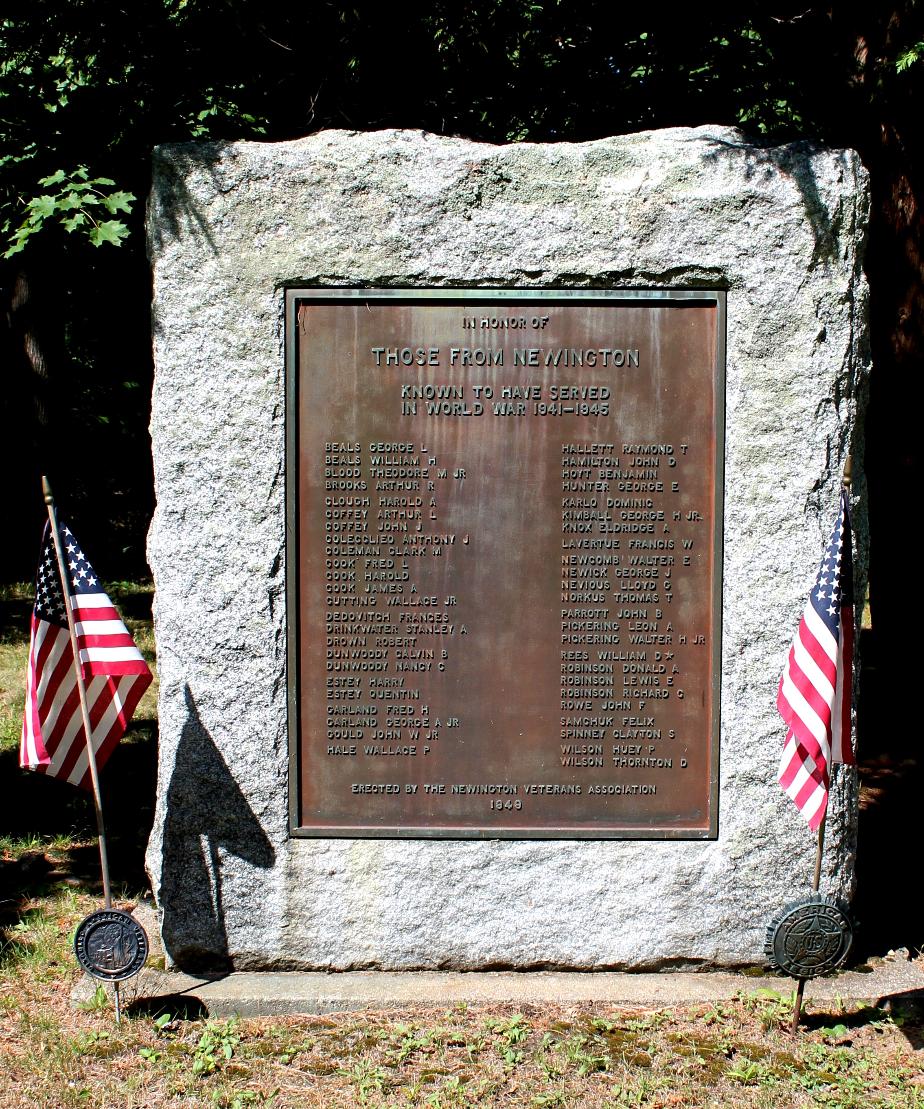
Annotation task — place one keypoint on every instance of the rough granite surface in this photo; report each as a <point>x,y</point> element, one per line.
<point>230,226</point>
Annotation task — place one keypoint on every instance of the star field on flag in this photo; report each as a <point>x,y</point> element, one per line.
<point>114,671</point>
<point>815,688</point>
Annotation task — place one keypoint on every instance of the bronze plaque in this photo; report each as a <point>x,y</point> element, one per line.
<point>504,562</point>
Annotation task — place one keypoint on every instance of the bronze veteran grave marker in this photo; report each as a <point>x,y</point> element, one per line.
<point>504,562</point>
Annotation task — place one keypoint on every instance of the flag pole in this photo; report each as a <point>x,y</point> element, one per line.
<point>816,885</point>
<point>82,693</point>
<point>846,481</point>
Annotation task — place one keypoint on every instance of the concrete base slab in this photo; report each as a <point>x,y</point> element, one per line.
<point>281,994</point>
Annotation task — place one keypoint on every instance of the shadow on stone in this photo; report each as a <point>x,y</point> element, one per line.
<point>177,211</point>
<point>206,814</point>
<point>177,1005</point>
<point>794,160</point>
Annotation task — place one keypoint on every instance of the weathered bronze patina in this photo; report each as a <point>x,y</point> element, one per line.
<point>111,945</point>
<point>810,937</point>
<point>504,560</point>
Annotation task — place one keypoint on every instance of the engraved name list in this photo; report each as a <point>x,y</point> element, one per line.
<point>504,562</point>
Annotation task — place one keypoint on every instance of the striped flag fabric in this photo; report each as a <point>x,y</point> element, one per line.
<point>114,672</point>
<point>815,688</point>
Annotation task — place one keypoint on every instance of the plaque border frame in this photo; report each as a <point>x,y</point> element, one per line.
<point>489,295</point>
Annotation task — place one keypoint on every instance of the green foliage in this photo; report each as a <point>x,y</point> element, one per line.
<point>751,1072</point>
<point>241,1099</point>
<point>511,1032</point>
<point>452,1093</point>
<point>585,1054</point>
<point>216,1046</point>
<point>98,1003</point>
<point>772,1009</point>
<point>549,1100</point>
<point>79,203</point>
<point>96,84</point>
<point>367,1079</point>
<point>907,58</point>
<point>833,1032</point>
<point>32,943</point>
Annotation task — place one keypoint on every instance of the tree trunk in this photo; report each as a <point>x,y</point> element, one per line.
<point>29,447</point>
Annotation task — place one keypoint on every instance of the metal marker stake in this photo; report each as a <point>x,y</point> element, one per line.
<point>82,692</point>
<point>816,883</point>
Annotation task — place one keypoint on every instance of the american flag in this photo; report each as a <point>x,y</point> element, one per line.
<point>815,688</point>
<point>116,675</point>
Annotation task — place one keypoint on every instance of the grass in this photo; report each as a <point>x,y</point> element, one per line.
<point>58,1055</point>
<point>736,1054</point>
<point>39,811</point>
<point>16,602</point>
<point>133,599</point>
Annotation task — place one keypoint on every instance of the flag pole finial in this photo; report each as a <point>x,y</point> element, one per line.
<point>46,490</point>
<point>847,479</point>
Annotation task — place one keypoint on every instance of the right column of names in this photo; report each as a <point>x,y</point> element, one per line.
<point>629,540</point>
